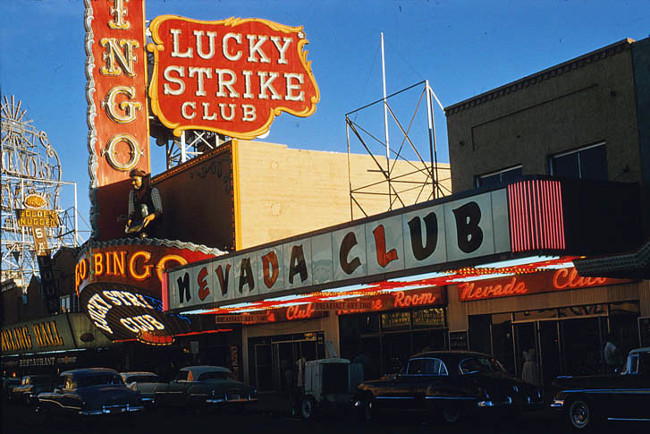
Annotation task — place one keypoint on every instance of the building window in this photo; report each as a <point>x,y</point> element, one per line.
<point>504,176</point>
<point>585,163</point>
<point>64,303</point>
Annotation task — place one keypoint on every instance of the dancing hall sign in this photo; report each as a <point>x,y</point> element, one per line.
<point>232,76</point>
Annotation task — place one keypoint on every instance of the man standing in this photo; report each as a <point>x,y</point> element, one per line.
<point>145,206</point>
<point>609,354</point>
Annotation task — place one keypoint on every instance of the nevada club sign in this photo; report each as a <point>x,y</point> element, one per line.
<point>406,240</point>
<point>231,76</point>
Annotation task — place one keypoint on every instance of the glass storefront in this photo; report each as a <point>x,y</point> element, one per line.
<point>272,359</point>
<point>383,341</point>
<point>539,345</point>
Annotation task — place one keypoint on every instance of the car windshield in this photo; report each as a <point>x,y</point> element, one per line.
<point>479,364</point>
<point>99,379</point>
<point>143,379</point>
<point>215,375</point>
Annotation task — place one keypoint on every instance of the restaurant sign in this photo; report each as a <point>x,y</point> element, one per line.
<point>232,76</point>
<point>433,236</point>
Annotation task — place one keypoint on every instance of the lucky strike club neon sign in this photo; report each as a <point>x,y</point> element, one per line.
<point>232,76</point>
<point>123,312</point>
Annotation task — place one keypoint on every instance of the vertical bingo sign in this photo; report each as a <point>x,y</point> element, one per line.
<point>117,106</point>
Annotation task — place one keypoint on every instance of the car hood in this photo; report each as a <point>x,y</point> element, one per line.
<point>586,382</point>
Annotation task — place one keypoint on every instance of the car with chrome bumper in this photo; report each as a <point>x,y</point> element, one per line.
<point>30,386</point>
<point>452,384</point>
<point>588,402</point>
<point>146,383</point>
<point>205,387</point>
<point>91,392</point>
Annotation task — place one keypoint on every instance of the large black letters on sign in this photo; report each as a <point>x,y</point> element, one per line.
<point>298,264</point>
<point>349,241</point>
<point>246,275</point>
<point>183,283</point>
<point>431,223</point>
<point>470,235</point>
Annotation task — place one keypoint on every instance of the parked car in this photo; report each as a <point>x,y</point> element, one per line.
<point>452,384</point>
<point>329,383</point>
<point>589,401</point>
<point>29,388</point>
<point>90,392</point>
<point>205,387</point>
<point>8,384</point>
<point>144,382</point>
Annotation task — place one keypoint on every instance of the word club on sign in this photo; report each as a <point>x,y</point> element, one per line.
<point>435,235</point>
<point>232,76</point>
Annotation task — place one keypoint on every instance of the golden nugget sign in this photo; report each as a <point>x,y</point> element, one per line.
<point>232,76</point>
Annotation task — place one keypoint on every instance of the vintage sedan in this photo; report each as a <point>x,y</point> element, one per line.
<point>205,387</point>
<point>146,383</point>
<point>451,384</point>
<point>588,402</point>
<point>90,392</point>
<point>30,386</point>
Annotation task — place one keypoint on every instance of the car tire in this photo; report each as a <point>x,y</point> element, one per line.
<point>307,409</point>
<point>451,413</point>
<point>581,415</point>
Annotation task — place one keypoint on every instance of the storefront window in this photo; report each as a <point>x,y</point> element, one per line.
<point>533,315</point>
<point>431,317</point>
<point>395,320</point>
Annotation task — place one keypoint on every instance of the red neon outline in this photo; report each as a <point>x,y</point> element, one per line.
<point>561,216</point>
<point>164,292</point>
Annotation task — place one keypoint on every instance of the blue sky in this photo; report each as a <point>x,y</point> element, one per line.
<point>462,47</point>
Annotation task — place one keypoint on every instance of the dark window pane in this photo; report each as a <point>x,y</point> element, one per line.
<point>511,175</point>
<point>593,163</point>
<point>489,180</point>
<point>505,176</point>
<point>566,166</point>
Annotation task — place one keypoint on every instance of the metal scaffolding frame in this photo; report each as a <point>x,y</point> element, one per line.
<point>30,165</point>
<point>396,186</point>
<point>191,144</point>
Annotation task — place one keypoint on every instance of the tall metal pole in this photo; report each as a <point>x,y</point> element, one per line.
<point>432,140</point>
<point>383,75</point>
<point>76,228</point>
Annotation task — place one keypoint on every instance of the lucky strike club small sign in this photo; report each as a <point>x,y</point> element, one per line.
<point>231,76</point>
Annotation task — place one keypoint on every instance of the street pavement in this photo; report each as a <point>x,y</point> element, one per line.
<point>272,416</point>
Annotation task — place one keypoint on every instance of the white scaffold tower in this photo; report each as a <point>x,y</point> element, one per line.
<point>30,165</point>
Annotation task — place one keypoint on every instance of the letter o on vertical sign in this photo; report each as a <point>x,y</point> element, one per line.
<point>134,150</point>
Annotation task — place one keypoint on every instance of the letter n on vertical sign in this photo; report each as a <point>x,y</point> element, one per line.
<point>117,104</point>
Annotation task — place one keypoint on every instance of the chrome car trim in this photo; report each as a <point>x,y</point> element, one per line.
<point>629,419</point>
<point>395,397</point>
<point>619,391</point>
<point>452,397</point>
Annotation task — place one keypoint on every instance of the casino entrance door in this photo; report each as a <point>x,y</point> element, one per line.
<point>273,366</point>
